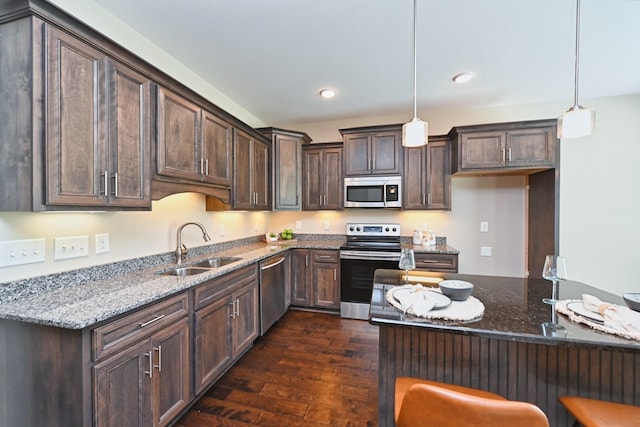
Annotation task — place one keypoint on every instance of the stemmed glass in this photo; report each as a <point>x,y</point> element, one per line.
<point>407,261</point>
<point>555,269</point>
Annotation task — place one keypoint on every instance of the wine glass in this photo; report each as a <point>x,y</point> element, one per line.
<point>407,261</point>
<point>555,269</point>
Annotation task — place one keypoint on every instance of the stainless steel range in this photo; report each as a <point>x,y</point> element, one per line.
<point>368,248</point>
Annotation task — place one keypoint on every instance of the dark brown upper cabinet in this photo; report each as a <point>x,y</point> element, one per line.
<point>79,137</point>
<point>427,176</point>
<point>322,182</point>
<point>193,144</point>
<point>518,147</point>
<point>373,150</point>
<point>286,173</point>
<point>251,188</point>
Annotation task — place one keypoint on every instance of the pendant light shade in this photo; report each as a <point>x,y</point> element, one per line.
<point>415,132</point>
<point>576,121</point>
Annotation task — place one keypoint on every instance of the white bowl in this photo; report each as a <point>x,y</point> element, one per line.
<point>268,238</point>
<point>457,290</point>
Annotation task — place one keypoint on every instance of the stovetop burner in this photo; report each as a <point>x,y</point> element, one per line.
<point>373,236</point>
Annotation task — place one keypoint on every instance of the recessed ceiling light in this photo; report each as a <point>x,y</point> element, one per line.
<point>462,77</point>
<point>327,93</point>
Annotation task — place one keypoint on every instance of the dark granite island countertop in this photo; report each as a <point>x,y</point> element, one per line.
<point>505,351</point>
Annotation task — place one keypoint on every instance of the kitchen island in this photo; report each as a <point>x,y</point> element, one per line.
<point>504,351</point>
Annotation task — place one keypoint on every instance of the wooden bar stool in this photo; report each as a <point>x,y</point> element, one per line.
<point>599,413</point>
<point>429,403</point>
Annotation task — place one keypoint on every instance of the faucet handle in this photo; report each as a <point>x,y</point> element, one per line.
<point>183,250</point>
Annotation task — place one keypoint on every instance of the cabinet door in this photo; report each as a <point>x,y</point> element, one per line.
<point>358,157</point>
<point>172,377</point>
<point>260,174</point>
<point>531,147</point>
<point>287,173</point>
<point>386,151</point>
<point>243,197</point>
<point>178,130</point>
<point>123,387</point>
<point>438,171</point>
<point>246,320</point>
<point>325,285</point>
<point>75,122</point>
<point>313,180</point>
<point>332,187</point>
<point>482,150</point>
<point>216,144</point>
<point>414,193</point>
<point>129,141</point>
<point>212,342</point>
<point>301,287</point>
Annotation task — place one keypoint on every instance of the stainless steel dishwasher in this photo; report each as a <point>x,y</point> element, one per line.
<point>272,291</point>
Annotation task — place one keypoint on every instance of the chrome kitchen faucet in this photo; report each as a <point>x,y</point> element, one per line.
<point>181,250</point>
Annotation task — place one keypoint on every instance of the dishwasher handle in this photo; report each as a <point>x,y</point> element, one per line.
<point>273,264</point>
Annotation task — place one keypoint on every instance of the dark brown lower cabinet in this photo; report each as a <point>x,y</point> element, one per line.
<point>447,263</point>
<point>147,384</point>
<point>225,323</point>
<point>315,278</point>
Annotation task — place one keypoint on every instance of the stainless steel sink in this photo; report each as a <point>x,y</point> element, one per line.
<point>216,262</point>
<point>184,271</point>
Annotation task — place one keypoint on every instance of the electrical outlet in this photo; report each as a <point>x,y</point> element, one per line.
<point>485,251</point>
<point>102,243</point>
<point>221,229</point>
<point>484,227</point>
<point>70,247</point>
<point>325,225</point>
<point>18,252</point>
<point>298,225</point>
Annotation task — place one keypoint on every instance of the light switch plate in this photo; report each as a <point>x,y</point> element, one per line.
<point>484,227</point>
<point>485,251</point>
<point>103,245</point>
<point>298,225</point>
<point>18,252</point>
<point>70,247</point>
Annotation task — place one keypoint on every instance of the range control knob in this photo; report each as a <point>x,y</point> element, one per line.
<point>358,229</point>
<point>395,229</point>
<point>350,228</point>
<point>386,229</point>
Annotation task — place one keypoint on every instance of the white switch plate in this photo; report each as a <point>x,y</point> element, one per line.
<point>18,252</point>
<point>325,225</point>
<point>485,251</point>
<point>103,245</point>
<point>484,227</point>
<point>70,247</point>
<point>298,225</point>
<point>221,229</point>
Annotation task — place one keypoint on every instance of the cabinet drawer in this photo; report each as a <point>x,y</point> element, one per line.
<point>214,289</point>
<point>122,332</point>
<point>325,256</point>
<point>437,262</point>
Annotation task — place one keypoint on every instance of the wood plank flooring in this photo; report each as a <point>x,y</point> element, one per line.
<point>310,369</point>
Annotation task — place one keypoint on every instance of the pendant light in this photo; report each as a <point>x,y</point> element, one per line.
<point>414,133</point>
<point>576,121</point>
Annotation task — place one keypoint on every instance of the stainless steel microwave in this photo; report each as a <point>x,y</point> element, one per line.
<point>373,192</point>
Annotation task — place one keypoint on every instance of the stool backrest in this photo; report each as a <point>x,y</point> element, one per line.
<point>428,405</point>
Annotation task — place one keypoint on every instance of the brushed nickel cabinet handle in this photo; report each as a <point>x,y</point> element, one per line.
<point>115,184</point>
<point>504,155</point>
<point>142,325</point>
<point>159,365</point>
<point>206,166</point>
<point>150,371</point>
<point>509,154</point>
<point>106,183</point>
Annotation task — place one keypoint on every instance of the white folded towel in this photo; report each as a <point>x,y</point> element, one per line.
<point>615,316</point>
<point>418,298</point>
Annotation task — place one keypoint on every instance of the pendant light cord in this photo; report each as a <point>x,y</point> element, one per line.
<point>575,93</point>
<point>415,62</point>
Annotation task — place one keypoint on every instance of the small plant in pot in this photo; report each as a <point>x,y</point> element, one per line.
<point>271,237</point>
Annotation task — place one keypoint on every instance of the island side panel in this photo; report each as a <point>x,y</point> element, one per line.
<point>517,370</point>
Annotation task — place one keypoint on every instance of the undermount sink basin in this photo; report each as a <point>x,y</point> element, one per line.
<point>215,262</point>
<point>184,271</point>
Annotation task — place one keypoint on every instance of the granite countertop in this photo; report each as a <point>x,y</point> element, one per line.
<point>78,299</point>
<point>434,249</point>
<point>514,309</point>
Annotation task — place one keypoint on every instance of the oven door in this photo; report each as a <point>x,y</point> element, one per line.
<point>356,279</point>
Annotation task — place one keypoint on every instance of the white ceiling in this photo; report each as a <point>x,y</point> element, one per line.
<point>273,56</point>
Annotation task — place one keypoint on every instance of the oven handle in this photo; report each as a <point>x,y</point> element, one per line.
<point>370,255</point>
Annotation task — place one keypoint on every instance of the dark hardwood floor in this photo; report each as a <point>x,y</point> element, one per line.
<point>310,369</point>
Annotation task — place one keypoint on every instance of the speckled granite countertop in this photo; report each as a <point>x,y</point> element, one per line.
<point>81,298</point>
<point>514,309</point>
